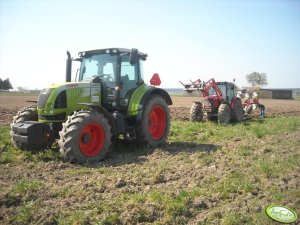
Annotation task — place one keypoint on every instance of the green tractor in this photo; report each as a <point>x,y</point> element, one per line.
<point>109,101</point>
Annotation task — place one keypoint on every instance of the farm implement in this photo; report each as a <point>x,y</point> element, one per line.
<point>251,103</point>
<point>221,101</point>
<point>110,100</point>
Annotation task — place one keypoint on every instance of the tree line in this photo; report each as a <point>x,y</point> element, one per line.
<point>254,79</point>
<point>5,84</point>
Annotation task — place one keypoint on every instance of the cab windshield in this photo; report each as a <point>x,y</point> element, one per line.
<point>102,65</point>
<point>222,88</point>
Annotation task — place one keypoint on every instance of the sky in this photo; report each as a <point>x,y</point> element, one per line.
<point>183,39</point>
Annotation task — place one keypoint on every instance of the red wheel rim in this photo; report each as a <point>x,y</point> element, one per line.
<point>91,139</point>
<point>157,122</point>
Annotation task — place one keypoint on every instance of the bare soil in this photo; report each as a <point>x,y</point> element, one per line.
<point>9,106</point>
<point>143,186</point>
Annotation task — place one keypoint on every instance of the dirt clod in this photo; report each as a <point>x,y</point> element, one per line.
<point>120,183</point>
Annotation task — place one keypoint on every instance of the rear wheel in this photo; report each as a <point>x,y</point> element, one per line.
<point>85,137</point>
<point>196,113</point>
<point>154,126</point>
<point>238,111</point>
<point>28,113</point>
<point>224,113</point>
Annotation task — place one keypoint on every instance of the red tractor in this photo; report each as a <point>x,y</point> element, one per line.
<point>220,101</point>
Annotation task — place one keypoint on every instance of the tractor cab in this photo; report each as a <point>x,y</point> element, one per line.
<point>228,90</point>
<point>119,71</point>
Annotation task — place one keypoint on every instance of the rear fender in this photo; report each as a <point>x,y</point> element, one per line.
<point>134,105</point>
<point>233,101</point>
<point>148,94</point>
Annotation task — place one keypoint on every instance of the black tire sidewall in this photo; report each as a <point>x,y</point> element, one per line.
<point>238,111</point>
<point>196,113</point>
<point>224,113</point>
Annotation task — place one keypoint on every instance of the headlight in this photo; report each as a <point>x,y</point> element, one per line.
<point>43,97</point>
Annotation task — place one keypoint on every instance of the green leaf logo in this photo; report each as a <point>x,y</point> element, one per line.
<point>281,214</point>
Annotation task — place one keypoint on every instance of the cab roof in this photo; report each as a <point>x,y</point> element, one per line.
<point>110,51</point>
<point>225,82</point>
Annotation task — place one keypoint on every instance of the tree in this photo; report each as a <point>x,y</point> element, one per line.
<point>257,79</point>
<point>5,84</point>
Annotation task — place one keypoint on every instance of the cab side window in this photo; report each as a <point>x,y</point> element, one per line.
<point>230,92</point>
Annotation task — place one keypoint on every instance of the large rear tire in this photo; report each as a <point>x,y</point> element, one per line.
<point>196,113</point>
<point>85,137</point>
<point>224,113</point>
<point>28,113</point>
<point>238,111</point>
<point>154,126</point>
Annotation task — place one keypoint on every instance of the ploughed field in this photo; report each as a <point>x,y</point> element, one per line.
<point>9,106</point>
<point>206,173</point>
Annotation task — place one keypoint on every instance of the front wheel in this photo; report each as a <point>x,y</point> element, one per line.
<point>196,113</point>
<point>153,129</point>
<point>85,137</point>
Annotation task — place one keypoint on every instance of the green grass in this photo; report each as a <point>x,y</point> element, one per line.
<point>211,132</point>
<point>25,214</point>
<point>237,170</point>
<point>26,186</point>
<point>11,154</point>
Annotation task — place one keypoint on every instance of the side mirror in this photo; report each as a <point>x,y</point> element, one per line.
<point>134,56</point>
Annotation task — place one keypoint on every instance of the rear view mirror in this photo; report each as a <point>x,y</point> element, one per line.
<point>134,55</point>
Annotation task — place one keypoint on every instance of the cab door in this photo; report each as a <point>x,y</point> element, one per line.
<point>231,93</point>
<point>129,80</point>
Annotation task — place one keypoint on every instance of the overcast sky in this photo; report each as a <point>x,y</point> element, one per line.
<point>184,39</point>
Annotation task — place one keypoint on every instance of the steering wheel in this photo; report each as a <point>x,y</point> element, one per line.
<point>107,77</point>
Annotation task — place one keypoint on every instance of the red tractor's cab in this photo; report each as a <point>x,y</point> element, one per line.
<point>219,93</point>
<point>229,90</point>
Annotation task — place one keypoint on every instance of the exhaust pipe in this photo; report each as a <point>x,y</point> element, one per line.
<point>68,67</point>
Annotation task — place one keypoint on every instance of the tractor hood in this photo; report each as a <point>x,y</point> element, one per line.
<point>60,100</point>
